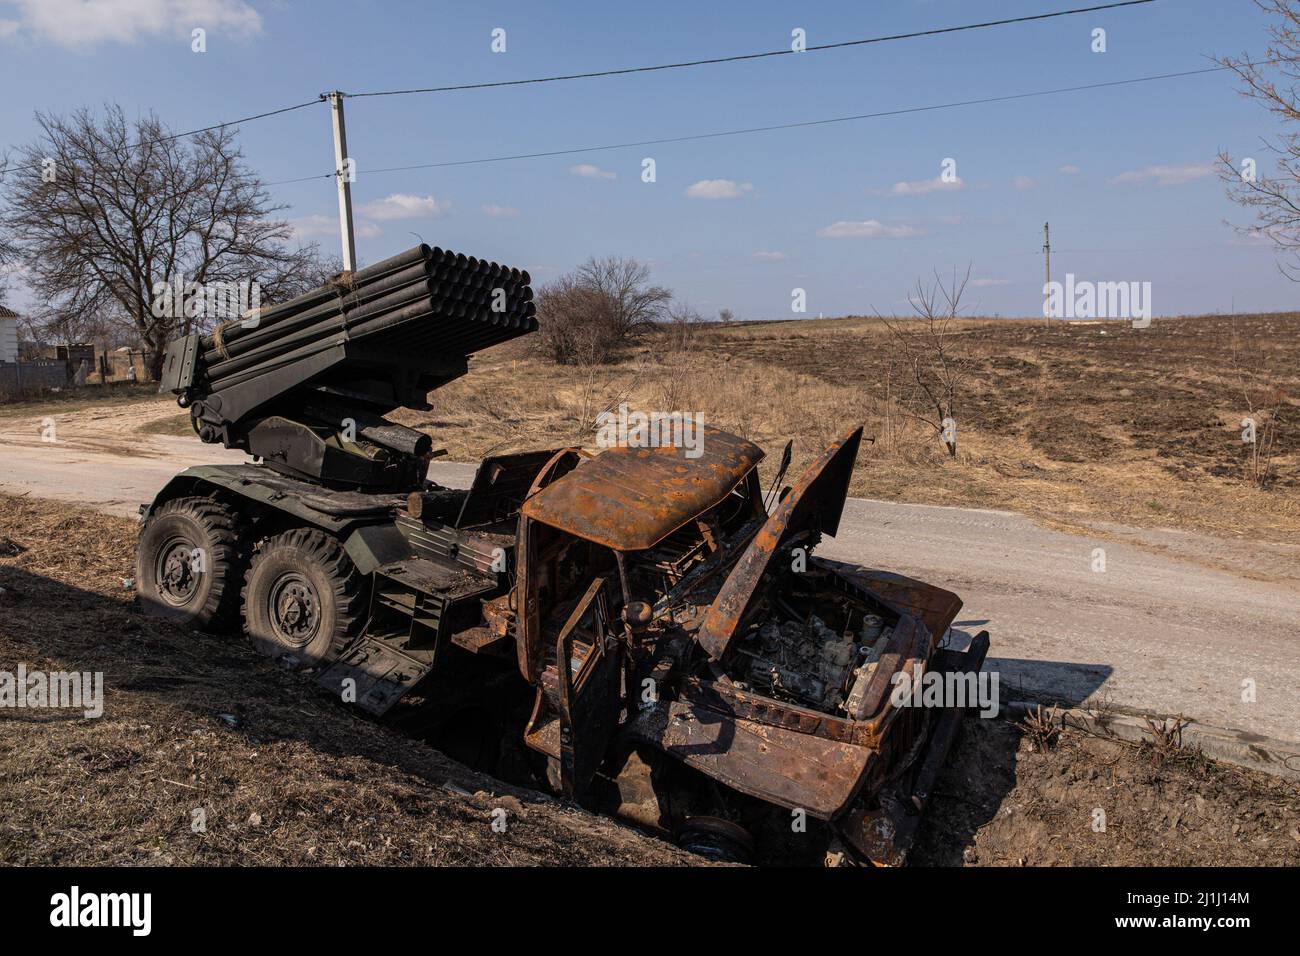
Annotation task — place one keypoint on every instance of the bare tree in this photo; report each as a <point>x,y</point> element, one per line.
<point>628,301</point>
<point>587,314</point>
<point>1271,80</point>
<point>1265,403</point>
<point>568,321</point>
<point>300,273</point>
<point>726,316</point>
<point>676,376</point>
<point>104,211</point>
<point>929,350</point>
<point>682,323</point>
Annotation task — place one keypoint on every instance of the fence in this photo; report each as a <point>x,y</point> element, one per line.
<point>23,378</point>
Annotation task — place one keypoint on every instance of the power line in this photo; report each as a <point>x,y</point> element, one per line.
<point>758,56</point>
<point>780,126</point>
<point>642,69</point>
<point>206,129</point>
<point>300,179</point>
<point>236,122</point>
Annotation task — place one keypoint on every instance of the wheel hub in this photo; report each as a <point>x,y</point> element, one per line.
<point>294,610</point>
<point>174,572</point>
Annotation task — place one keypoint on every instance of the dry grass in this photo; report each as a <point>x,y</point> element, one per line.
<point>1070,424</point>
<point>1042,728</point>
<point>194,722</point>
<point>1073,424</point>
<point>284,776</point>
<point>69,399</point>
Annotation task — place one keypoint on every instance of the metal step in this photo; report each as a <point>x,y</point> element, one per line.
<point>483,641</point>
<point>545,738</point>
<point>374,674</point>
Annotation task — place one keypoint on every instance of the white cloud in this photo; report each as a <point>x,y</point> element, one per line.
<point>718,189</point>
<point>405,206</point>
<point>770,256</point>
<point>1022,183</point>
<point>588,171</point>
<point>310,227</point>
<point>923,186</point>
<point>83,23</point>
<point>1070,169</point>
<point>1164,175</point>
<point>985,283</point>
<point>500,212</point>
<point>327,227</point>
<point>868,229</point>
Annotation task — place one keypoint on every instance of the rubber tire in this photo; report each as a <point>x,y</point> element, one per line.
<point>223,535</point>
<point>340,591</point>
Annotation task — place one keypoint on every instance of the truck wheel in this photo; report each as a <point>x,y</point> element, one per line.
<point>303,597</point>
<point>190,560</point>
<point>716,839</point>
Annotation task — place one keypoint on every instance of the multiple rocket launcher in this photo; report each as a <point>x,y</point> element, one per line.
<point>411,320</point>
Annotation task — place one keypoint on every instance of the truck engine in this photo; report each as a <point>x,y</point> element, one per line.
<point>808,663</point>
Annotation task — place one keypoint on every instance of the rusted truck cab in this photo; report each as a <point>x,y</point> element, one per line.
<point>669,620</point>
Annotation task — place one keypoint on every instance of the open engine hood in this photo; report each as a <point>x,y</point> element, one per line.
<point>816,502</point>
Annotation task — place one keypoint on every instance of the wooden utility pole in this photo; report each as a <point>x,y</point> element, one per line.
<point>343,173</point>
<point>1047,273</point>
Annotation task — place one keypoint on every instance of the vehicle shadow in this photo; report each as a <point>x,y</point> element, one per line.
<point>1065,683</point>
<point>174,675</point>
<point>981,769</point>
<point>218,679</point>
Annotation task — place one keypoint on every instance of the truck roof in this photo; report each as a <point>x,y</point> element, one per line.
<point>630,499</point>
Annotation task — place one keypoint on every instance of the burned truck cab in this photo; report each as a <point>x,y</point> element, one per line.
<point>663,607</point>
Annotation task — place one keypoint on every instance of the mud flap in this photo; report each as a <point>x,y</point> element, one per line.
<point>375,676</point>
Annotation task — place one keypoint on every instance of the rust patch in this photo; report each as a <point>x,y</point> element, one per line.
<point>630,499</point>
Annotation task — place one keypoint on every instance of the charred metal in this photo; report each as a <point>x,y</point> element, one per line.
<point>683,657</point>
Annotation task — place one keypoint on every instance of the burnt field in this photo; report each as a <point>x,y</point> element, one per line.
<point>1074,424</point>
<point>285,775</point>
<point>1172,394</point>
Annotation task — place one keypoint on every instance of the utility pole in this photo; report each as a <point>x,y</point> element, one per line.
<point>1047,269</point>
<point>343,173</point>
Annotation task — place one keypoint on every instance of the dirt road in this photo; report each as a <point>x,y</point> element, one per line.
<point>1174,623</point>
<point>1156,630</point>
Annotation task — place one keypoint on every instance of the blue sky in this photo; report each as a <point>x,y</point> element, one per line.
<point>1121,173</point>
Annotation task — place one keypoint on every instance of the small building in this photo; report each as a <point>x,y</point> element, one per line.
<point>8,335</point>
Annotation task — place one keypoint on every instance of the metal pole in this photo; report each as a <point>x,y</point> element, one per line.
<point>1047,266</point>
<point>342,174</point>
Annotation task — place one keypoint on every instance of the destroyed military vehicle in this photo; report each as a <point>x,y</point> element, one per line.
<point>686,661</point>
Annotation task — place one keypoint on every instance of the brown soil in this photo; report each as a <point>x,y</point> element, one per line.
<point>1005,801</point>
<point>285,776</point>
<point>196,722</point>
<point>1072,425</point>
